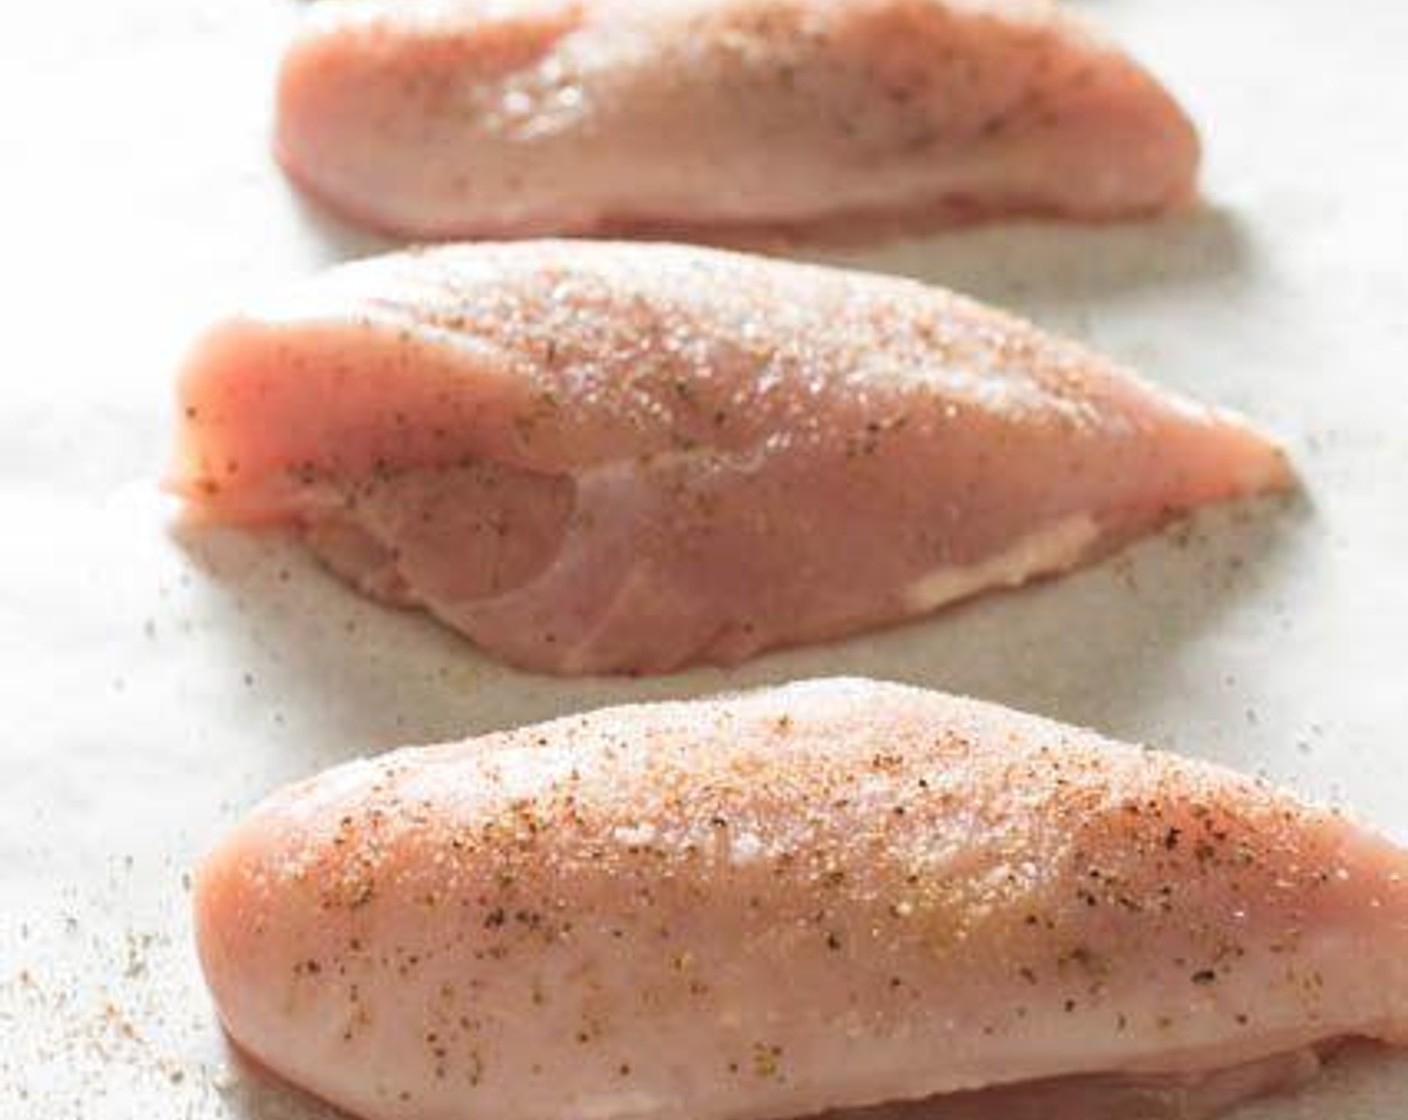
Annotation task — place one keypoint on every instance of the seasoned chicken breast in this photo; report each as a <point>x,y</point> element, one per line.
<point>827,895</point>
<point>498,118</point>
<point>599,458</point>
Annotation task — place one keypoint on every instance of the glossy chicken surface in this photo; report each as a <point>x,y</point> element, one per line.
<point>626,458</point>
<point>721,117</point>
<point>828,895</point>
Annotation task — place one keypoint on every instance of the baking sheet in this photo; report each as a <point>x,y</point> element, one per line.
<point>154,685</point>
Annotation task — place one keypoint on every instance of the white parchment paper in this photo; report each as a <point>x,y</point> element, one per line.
<point>153,686</point>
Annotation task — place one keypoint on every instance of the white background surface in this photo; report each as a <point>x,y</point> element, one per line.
<point>152,687</point>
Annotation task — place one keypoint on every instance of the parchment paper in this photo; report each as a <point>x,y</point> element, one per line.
<point>153,686</point>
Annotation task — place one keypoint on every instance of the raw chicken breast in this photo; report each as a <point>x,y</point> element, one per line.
<point>827,895</point>
<point>594,457</point>
<point>523,117</point>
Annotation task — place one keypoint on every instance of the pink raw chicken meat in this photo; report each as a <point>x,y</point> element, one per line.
<point>829,895</point>
<point>501,118</point>
<point>600,458</point>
